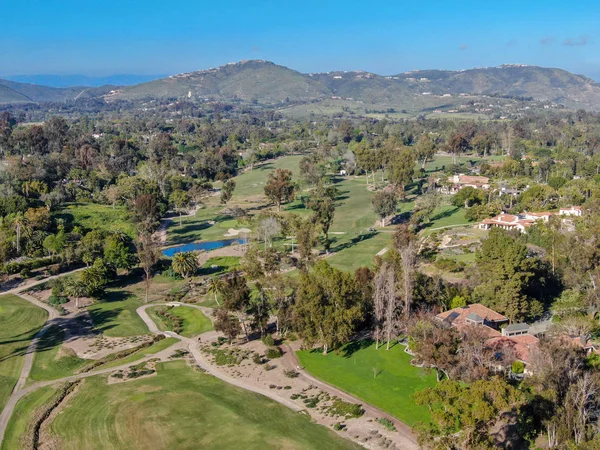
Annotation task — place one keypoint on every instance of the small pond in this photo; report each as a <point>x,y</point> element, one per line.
<point>198,246</point>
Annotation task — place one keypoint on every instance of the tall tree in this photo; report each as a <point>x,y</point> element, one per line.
<point>279,187</point>
<point>322,202</point>
<point>384,204</point>
<point>185,264</point>
<point>148,255</point>
<point>180,199</point>
<point>327,307</point>
<point>227,191</point>
<point>401,169</point>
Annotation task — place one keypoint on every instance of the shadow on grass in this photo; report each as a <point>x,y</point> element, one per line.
<point>352,242</point>
<point>440,216</point>
<point>102,319</point>
<point>350,349</point>
<point>20,338</point>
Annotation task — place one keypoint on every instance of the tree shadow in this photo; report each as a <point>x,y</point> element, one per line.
<point>440,216</point>
<point>351,348</point>
<point>352,242</point>
<point>102,319</point>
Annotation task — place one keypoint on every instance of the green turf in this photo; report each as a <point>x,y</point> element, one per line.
<point>153,349</point>
<point>352,371</point>
<point>252,182</point>
<point>183,409</point>
<point>51,361</point>
<point>19,322</point>
<point>194,322</point>
<point>94,216</point>
<point>223,264</point>
<point>115,316</point>
<point>360,254</point>
<point>22,416</point>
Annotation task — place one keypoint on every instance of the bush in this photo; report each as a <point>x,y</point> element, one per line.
<point>290,373</point>
<point>345,409</point>
<point>268,340</point>
<point>54,300</point>
<point>517,367</point>
<point>25,273</point>
<point>257,359</point>
<point>387,423</point>
<point>170,273</point>
<point>274,352</point>
<point>449,265</point>
<point>338,426</point>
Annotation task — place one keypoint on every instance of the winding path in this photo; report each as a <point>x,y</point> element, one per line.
<point>405,436</point>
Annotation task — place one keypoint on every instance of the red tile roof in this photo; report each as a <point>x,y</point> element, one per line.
<point>522,345</point>
<point>457,316</point>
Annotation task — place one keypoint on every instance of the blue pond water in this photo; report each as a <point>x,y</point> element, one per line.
<point>197,246</point>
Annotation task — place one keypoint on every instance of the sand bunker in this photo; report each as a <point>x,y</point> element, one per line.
<point>233,232</point>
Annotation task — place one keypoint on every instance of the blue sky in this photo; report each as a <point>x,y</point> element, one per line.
<point>386,37</point>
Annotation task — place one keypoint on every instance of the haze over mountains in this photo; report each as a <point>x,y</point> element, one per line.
<point>267,83</point>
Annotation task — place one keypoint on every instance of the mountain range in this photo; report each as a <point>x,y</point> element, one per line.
<point>266,83</point>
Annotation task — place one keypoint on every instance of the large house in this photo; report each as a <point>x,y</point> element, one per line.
<point>457,182</point>
<point>524,220</point>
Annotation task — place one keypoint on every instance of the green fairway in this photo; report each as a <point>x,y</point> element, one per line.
<point>252,182</point>
<point>115,314</point>
<point>361,253</point>
<point>19,322</point>
<point>94,216</point>
<point>183,409</point>
<point>52,361</point>
<point>353,371</point>
<point>193,321</point>
<point>223,264</point>
<point>22,416</point>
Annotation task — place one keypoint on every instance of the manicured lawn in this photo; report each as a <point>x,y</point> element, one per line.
<point>115,314</point>
<point>153,349</point>
<point>183,409</point>
<point>252,183</point>
<point>52,361</point>
<point>22,416</point>
<point>194,322</point>
<point>352,370</point>
<point>95,216</point>
<point>222,263</point>
<point>360,254</point>
<point>19,322</point>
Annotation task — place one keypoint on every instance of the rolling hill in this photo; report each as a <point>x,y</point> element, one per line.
<point>266,83</point>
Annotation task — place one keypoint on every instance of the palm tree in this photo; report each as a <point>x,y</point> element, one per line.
<point>185,264</point>
<point>214,287</point>
<point>19,222</point>
<point>76,288</point>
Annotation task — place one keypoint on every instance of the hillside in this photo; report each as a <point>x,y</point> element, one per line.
<point>266,83</point>
<point>14,92</point>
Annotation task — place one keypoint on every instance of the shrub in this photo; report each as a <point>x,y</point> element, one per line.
<point>25,273</point>
<point>387,423</point>
<point>268,340</point>
<point>54,300</point>
<point>517,367</point>
<point>257,359</point>
<point>269,367</point>
<point>345,409</point>
<point>449,265</point>
<point>338,426</point>
<point>170,273</point>
<point>290,373</point>
<point>274,352</point>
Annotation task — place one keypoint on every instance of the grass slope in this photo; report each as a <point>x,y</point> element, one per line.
<point>19,322</point>
<point>95,216</point>
<point>153,349</point>
<point>352,371</point>
<point>115,314</point>
<point>23,415</point>
<point>194,322</point>
<point>51,361</point>
<point>183,409</point>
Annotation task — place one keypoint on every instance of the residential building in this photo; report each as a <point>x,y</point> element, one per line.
<point>457,182</point>
<point>571,211</point>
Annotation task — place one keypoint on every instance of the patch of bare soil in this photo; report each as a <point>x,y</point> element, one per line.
<point>46,439</point>
<point>324,407</point>
<point>97,346</point>
<point>232,250</point>
<point>144,369</point>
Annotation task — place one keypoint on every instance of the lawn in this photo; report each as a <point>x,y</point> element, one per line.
<point>194,322</point>
<point>184,409</point>
<point>115,316</point>
<point>51,360</point>
<point>361,253</point>
<point>219,265</point>
<point>19,322</point>
<point>352,370</point>
<point>96,216</point>
<point>18,425</point>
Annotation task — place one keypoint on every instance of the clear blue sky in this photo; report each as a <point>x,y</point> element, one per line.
<point>147,36</point>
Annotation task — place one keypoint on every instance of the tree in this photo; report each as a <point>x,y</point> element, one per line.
<point>401,169</point>
<point>180,199</point>
<point>19,222</point>
<point>227,191</point>
<point>456,145</point>
<point>259,308</point>
<point>215,286</point>
<point>267,229</point>
<point>384,302</point>
<point>503,273</point>
<point>148,255</point>
<point>424,149</point>
<point>279,187</point>
<point>236,298</point>
<point>185,264</point>
<point>406,245</point>
<point>227,324</point>
<point>76,288</point>
<point>322,202</point>
<point>306,237</point>
<point>118,251</point>
<point>96,277</point>
<point>327,307</point>
<point>468,196</point>
<point>463,415</point>
<point>384,204</point>
<point>55,243</point>
<point>146,213</point>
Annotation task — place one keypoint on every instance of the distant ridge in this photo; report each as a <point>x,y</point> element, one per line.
<point>266,83</point>
<point>63,81</point>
